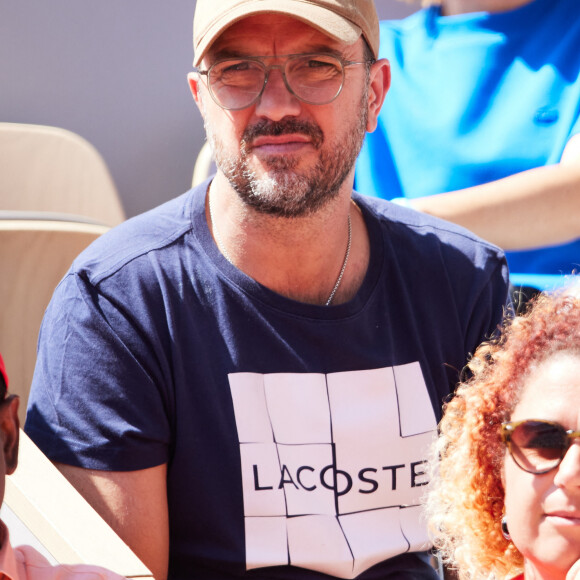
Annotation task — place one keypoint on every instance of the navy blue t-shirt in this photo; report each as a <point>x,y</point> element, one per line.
<point>295,435</point>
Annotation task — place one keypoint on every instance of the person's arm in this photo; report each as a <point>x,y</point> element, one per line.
<point>534,208</point>
<point>134,504</point>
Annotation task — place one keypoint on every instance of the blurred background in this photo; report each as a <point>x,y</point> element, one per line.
<point>115,73</point>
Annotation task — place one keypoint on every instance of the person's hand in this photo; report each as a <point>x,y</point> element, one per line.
<point>574,572</point>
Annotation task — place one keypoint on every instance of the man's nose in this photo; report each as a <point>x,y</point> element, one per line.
<point>276,100</point>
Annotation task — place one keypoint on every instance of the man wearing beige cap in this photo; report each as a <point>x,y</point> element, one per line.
<point>245,380</point>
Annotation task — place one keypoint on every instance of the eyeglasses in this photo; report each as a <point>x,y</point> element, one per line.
<point>537,446</point>
<point>237,83</point>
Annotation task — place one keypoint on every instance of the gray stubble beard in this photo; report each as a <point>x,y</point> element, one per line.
<point>281,191</point>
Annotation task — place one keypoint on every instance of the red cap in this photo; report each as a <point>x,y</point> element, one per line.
<point>3,371</point>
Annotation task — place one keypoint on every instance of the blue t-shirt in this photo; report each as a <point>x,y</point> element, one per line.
<point>295,435</point>
<point>475,98</point>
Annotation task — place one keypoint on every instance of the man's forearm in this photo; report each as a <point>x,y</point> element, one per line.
<point>134,504</point>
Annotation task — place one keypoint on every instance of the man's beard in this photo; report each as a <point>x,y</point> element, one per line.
<point>283,191</point>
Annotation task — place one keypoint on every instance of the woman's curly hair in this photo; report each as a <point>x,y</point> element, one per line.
<point>466,497</point>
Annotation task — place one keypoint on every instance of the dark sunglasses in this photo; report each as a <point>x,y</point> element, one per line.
<point>537,446</point>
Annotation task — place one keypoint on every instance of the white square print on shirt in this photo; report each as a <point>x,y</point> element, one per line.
<point>333,466</point>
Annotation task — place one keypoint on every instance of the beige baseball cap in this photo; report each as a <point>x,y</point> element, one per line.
<point>343,20</point>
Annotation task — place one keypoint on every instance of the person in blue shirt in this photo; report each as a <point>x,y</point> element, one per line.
<point>480,126</point>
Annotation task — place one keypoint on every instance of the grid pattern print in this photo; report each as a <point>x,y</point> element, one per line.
<point>333,466</point>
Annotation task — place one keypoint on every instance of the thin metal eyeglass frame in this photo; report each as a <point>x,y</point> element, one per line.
<point>509,427</point>
<point>282,67</point>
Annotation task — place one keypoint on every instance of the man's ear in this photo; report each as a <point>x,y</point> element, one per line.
<point>380,81</point>
<point>194,79</point>
<point>10,430</point>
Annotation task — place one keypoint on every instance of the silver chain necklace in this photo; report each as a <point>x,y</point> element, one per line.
<point>222,249</point>
<point>346,255</point>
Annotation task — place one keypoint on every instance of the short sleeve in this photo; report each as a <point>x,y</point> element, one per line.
<point>100,398</point>
<point>490,307</point>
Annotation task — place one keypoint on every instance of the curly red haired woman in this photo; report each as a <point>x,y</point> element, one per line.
<point>505,495</point>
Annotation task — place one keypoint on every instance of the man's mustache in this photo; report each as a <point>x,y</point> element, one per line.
<point>283,127</point>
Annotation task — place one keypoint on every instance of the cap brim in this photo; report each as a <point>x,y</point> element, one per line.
<point>324,20</point>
